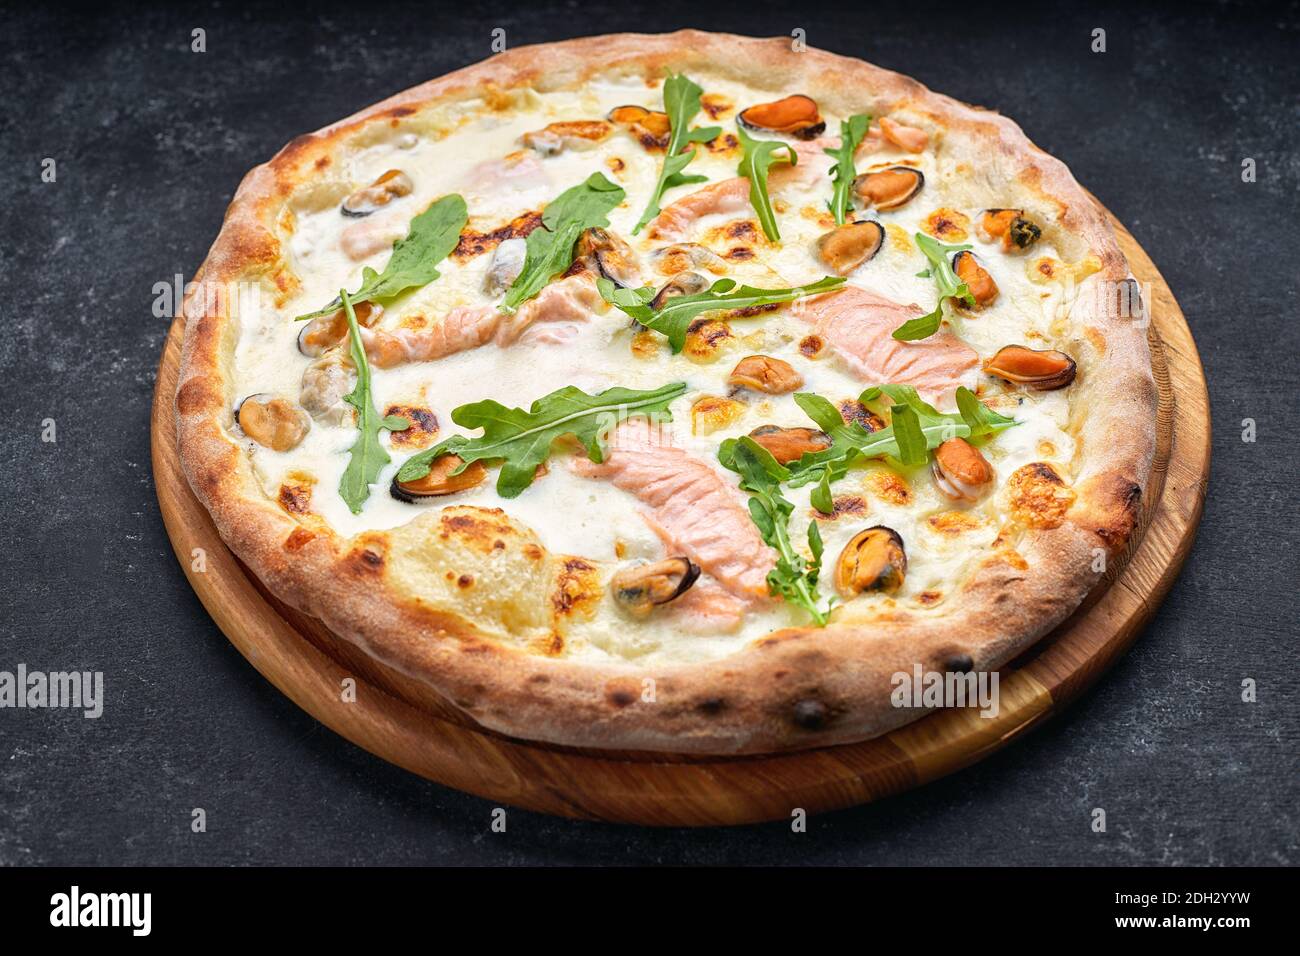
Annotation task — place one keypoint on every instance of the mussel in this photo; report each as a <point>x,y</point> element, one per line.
<point>790,444</point>
<point>614,258</point>
<point>651,127</point>
<point>795,116</point>
<point>324,383</point>
<point>1011,226</point>
<point>960,471</point>
<point>976,277</point>
<point>274,423</point>
<point>440,480</point>
<point>391,185</point>
<point>762,373</point>
<point>873,560</point>
<point>326,331</point>
<point>889,188</point>
<point>555,138</point>
<point>1042,369</point>
<point>903,136</point>
<point>683,256</point>
<point>507,262</point>
<point>684,283</point>
<point>642,588</point>
<point>846,247</point>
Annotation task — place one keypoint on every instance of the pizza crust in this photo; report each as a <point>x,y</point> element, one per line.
<point>799,687</point>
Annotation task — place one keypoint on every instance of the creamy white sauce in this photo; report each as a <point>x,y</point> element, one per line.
<point>575,515</point>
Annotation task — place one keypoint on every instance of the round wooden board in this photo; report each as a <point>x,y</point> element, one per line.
<point>405,722</point>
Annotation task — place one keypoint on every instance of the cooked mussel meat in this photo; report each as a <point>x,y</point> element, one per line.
<point>274,423</point>
<point>888,188</point>
<point>642,588</point>
<point>441,479</point>
<point>846,247</point>
<point>873,560</point>
<point>1042,369</point>
<point>391,185</point>
<point>796,116</point>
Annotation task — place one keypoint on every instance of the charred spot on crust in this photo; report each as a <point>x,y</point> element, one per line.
<point>194,396</point>
<point>811,714</point>
<point>1123,517</point>
<point>711,706</point>
<point>621,692</point>
<point>465,581</point>
<point>958,663</point>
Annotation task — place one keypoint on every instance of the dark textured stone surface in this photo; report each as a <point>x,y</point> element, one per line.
<point>151,141</point>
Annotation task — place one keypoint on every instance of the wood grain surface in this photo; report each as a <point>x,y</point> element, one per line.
<point>408,724</point>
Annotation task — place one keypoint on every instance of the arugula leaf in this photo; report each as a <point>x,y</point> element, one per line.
<point>522,439</point>
<point>852,132</point>
<point>916,428</point>
<point>821,497</point>
<point>949,287</point>
<point>674,318</point>
<point>757,159</point>
<point>549,249</point>
<point>366,456</point>
<point>981,419</point>
<point>681,103</point>
<point>432,236</point>
<point>793,578</point>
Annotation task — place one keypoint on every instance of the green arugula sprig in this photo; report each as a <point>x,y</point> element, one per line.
<point>367,455</point>
<point>916,428</point>
<point>950,287</point>
<point>681,103</point>
<point>793,578</point>
<point>432,236</point>
<point>521,439</point>
<point>755,163</point>
<point>674,317</point>
<point>549,249</point>
<point>852,132</point>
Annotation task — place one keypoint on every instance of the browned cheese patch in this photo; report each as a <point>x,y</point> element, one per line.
<point>423,430</point>
<point>1039,496</point>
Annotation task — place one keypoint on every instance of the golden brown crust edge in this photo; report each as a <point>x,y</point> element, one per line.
<point>797,688</point>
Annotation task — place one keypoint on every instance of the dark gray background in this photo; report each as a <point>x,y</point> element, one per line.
<point>151,141</point>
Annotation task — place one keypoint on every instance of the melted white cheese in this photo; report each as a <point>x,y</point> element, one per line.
<point>592,518</point>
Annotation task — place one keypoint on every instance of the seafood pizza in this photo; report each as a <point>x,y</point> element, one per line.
<point>670,392</point>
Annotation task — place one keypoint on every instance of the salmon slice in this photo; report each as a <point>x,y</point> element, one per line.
<point>859,325</point>
<point>727,196</point>
<point>460,329</point>
<point>903,136</point>
<point>560,308</point>
<point>520,172</point>
<point>731,196</point>
<point>708,609</point>
<point>689,506</point>
<point>555,314</point>
<point>361,240</point>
